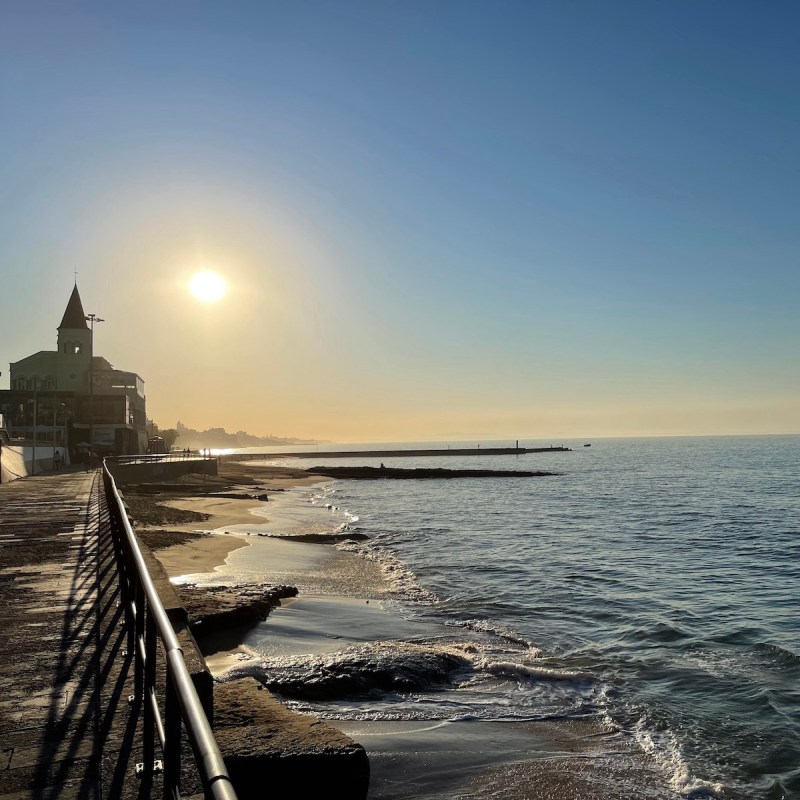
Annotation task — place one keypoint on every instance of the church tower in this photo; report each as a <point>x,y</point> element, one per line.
<point>74,346</point>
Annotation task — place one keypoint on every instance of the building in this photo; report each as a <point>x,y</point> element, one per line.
<point>73,398</point>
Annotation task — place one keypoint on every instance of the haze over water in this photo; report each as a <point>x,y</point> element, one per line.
<point>658,577</point>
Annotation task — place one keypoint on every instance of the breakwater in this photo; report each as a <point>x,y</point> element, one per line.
<point>454,451</point>
<point>375,473</point>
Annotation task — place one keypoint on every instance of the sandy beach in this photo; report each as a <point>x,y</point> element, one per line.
<point>208,518</point>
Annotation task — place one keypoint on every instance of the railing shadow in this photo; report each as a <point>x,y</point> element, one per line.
<point>106,707</point>
<point>88,748</point>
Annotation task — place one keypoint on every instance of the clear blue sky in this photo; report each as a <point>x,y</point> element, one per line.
<point>436,219</point>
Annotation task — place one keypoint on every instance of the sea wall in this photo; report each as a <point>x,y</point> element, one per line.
<point>157,471</point>
<point>16,461</point>
<point>12,464</point>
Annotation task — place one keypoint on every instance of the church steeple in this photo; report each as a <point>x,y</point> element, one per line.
<point>75,341</point>
<point>74,318</point>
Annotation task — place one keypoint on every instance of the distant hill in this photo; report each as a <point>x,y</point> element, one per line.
<point>219,437</point>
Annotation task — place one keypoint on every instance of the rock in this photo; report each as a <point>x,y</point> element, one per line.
<point>215,608</point>
<point>361,669</point>
<point>263,741</point>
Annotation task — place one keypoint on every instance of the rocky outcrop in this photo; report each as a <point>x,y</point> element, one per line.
<point>261,739</point>
<point>358,670</point>
<point>216,608</point>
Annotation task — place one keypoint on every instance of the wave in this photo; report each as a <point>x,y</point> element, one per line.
<point>325,497</point>
<point>664,749</point>
<point>350,683</point>
<point>357,670</point>
<point>525,672</point>
<point>781,654</point>
<point>494,629</point>
<point>583,576</point>
<point>401,579</point>
<point>737,636</point>
<point>662,632</point>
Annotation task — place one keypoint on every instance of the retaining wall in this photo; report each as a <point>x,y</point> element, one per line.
<point>157,471</point>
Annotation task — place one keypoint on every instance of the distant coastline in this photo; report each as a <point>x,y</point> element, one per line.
<point>219,438</point>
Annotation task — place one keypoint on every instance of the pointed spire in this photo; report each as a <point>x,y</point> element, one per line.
<point>74,318</point>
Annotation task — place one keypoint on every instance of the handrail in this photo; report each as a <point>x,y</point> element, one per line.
<point>149,458</point>
<point>147,623</point>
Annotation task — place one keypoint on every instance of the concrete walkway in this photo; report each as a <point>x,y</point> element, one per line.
<point>66,727</point>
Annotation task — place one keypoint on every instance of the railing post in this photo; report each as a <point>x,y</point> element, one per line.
<point>138,633</point>
<point>172,735</point>
<point>148,724</point>
<point>128,589</point>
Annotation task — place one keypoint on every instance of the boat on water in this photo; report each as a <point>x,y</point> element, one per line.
<point>588,445</point>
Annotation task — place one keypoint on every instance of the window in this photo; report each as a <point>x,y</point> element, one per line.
<point>76,348</point>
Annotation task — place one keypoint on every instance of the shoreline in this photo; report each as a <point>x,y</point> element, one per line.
<point>561,758</point>
<point>210,545</point>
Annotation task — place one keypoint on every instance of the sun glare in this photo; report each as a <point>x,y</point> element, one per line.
<point>207,287</point>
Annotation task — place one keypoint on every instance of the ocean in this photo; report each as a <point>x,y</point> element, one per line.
<point>652,585</point>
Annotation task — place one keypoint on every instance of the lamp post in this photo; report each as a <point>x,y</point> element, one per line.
<point>56,407</point>
<point>92,319</point>
<point>35,407</point>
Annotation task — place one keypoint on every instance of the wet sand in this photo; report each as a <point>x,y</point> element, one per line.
<point>199,555</point>
<point>203,553</point>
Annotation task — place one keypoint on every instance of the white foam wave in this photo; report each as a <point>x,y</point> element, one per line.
<point>500,631</point>
<point>325,496</point>
<point>402,580</point>
<point>517,671</point>
<point>664,749</point>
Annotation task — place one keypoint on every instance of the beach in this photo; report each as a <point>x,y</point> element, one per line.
<point>344,620</point>
<point>205,518</point>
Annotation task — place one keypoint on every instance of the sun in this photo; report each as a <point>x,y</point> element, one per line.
<point>207,287</point>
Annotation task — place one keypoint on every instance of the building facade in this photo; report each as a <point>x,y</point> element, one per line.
<point>73,398</point>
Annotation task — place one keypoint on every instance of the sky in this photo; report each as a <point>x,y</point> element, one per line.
<point>436,220</point>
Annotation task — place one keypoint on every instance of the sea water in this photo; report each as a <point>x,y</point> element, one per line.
<point>654,583</point>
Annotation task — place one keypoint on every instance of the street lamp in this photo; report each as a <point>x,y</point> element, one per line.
<point>35,408</point>
<point>92,319</point>
<point>63,408</point>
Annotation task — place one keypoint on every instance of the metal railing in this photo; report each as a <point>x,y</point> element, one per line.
<point>148,625</point>
<point>150,458</point>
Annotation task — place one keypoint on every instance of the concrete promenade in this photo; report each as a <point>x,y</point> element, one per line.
<point>66,727</point>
